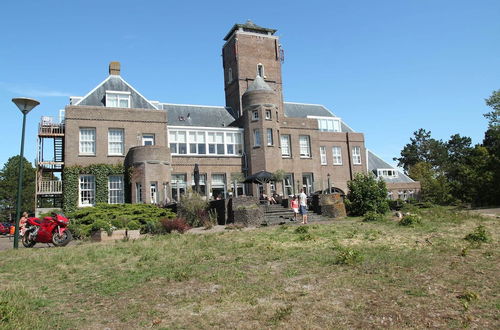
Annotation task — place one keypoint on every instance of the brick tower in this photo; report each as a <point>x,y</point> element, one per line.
<point>250,51</point>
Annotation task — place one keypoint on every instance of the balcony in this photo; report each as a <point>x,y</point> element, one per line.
<point>48,128</point>
<point>49,187</point>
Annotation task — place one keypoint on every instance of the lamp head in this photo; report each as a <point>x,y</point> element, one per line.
<point>25,104</point>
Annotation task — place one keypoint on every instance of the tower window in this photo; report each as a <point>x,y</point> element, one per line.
<point>255,115</point>
<point>229,75</point>
<point>260,70</point>
<point>268,114</point>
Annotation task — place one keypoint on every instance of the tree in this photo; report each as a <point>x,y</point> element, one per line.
<point>493,116</point>
<point>279,176</point>
<point>366,194</point>
<point>9,176</point>
<point>434,186</point>
<point>422,148</point>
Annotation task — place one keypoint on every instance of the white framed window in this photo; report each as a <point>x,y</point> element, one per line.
<point>115,141</point>
<point>322,154</point>
<point>268,114</point>
<point>198,142</point>
<point>270,140</point>
<point>285,145</point>
<point>86,191</point>
<point>153,192</point>
<point>305,146</point>
<point>138,192</point>
<point>337,155</point>
<point>87,141</point>
<point>288,184</point>
<point>260,70</point>
<point>329,125</point>
<point>234,144</point>
<point>356,155</point>
<point>178,142</point>
<point>255,115</point>
<point>116,99</point>
<point>179,186</point>
<point>218,185</point>
<point>148,139</point>
<point>256,138</point>
<point>115,189</point>
<point>387,172</point>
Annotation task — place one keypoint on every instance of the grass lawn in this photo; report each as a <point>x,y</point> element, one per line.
<point>342,274</point>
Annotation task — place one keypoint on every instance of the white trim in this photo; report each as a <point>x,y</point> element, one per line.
<point>118,92</point>
<point>92,91</point>
<point>322,117</point>
<point>203,128</point>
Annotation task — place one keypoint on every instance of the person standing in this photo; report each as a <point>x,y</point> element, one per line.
<point>303,206</point>
<point>22,223</point>
<point>294,205</point>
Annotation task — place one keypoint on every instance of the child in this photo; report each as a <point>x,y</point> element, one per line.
<point>294,205</point>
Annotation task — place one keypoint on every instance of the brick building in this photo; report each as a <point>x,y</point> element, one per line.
<point>159,143</point>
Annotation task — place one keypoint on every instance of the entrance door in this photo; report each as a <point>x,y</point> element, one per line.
<point>307,180</point>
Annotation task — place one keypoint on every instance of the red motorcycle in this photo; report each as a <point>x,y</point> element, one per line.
<point>52,229</point>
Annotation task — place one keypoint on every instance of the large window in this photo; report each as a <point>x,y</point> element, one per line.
<point>86,190</point>
<point>356,155</point>
<point>305,146</point>
<point>216,143</point>
<point>197,142</point>
<point>118,99</point>
<point>337,155</point>
<point>178,183</point>
<point>115,141</point>
<point>178,143</point>
<point>138,192</point>
<point>329,125</point>
<point>87,141</point>
<point>218,186</point>
<point>322,153</point>
<point>288,183</point>
<point>115,189</point>
<point>256,138</point>
<point>270,140</point>
<point>389,173</point>
<point>285,145</point>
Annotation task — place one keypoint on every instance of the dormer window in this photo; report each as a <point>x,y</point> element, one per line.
<point>260,70</point>
<point>387,172</point>
<point>116,99</point>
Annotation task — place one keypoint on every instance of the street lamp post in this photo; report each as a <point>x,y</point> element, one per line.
<point>329,186</point>
<point>25,105</point>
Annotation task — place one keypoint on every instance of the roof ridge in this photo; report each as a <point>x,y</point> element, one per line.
<point>195,105</point>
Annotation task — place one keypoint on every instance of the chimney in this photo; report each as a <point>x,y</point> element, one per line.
<point>114,68</point>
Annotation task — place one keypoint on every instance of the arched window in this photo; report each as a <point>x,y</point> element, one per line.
<point>260,70</point>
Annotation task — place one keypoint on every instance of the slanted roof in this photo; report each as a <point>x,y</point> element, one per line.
<point>302,110</point>
<point>375,162</point>
<point>259,84</point>
<point>97,96</point>
<point>249,26</point>
<point>197,115</point>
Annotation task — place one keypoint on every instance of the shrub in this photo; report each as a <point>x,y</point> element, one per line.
<point>479,235</point>
<point>347,256</point>
<point>373,216</point>
<point>366,194</point>
<point>107,216</point>
<point>410,220</point>
<point>178,224</point>
<point>302,230</point>
<point>193,208</point>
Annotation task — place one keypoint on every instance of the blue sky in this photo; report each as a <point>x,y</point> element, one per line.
<point>387,68</point>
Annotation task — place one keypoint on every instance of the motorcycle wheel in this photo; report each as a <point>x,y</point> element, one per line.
<point>27,242</point>
<point>62,240</point>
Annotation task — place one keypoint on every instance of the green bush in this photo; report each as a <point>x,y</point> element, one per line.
<point>193,208</point>
<point>366,194</point>
<point>108,217</point>
<point>479,235</point>
<point>347,256</point>
<point>410,220</point>
<point>373,216</point>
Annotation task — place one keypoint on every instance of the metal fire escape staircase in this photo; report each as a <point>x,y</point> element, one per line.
<point>50,164</point>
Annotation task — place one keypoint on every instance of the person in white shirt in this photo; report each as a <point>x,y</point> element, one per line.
<point>303,206</point>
